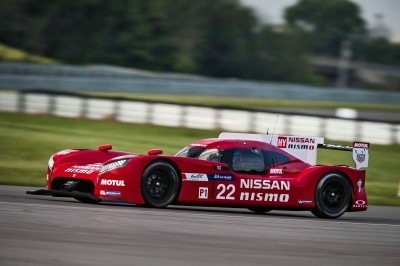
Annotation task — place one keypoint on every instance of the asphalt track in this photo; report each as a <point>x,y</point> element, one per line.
<point>37,230</point>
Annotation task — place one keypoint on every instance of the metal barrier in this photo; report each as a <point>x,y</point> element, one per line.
<point>199,117</point>
<point>20,76</point>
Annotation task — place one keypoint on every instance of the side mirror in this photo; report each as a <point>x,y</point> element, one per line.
<point>155,152</point>
<point>105,147</point>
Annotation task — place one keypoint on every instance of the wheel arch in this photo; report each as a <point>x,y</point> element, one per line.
<point>174,165</point>
<point>345,175</point>
<point>166,160</point>
<point>327,174</point>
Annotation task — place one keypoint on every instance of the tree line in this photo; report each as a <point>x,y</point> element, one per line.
<point>220,38</point>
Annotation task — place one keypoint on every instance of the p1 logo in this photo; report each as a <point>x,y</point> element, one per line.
<point>203,192</point>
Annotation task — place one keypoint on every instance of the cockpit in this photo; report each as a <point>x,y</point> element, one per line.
<point>246,160</point>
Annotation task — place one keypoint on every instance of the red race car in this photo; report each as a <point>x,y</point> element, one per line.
<point>254,171</point>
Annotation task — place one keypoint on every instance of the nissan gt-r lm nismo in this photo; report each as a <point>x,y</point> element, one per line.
<point>254,171</point>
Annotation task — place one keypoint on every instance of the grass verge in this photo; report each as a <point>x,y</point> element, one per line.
<point>27,141</point>
<point>8,53</point>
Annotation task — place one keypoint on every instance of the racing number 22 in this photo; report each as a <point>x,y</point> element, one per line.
<point>226,192</point>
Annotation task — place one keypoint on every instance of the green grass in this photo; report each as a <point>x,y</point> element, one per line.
<point>27,141</point>
<point>8,53</point>
<point>249,102</point>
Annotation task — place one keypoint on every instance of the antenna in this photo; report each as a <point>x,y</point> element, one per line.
<point>273,132</point>
<point>274,160</point>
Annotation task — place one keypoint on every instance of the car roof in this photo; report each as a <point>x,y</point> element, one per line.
<point>236,143</point>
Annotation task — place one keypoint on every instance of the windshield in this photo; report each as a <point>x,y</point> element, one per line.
<point>191,152</point>
<point>201,153</point>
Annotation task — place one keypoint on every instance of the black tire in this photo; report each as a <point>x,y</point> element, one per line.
<point>160,185</point>
<point>86,200</point>
<point>333,196</point>
<point>259,210</point>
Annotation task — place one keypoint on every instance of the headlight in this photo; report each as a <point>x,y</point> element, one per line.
<point>114,165</point>
<point>51,163</point>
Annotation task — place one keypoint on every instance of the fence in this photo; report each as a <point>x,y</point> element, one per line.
<point>198,117</point>
<point>20,76</point>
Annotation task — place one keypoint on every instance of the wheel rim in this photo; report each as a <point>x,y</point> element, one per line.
<point>157,185</point>
<point>333,195</point>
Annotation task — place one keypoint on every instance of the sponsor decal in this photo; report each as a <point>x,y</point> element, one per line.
<point>227,192</point>
<point>110,193</point>
<point>221,177</point>
<point>262,196</point>
<point>111,182</point>
<point>298,143</point>
<point>305,201</point>
<point>301,146</point>
<point>359,184</point>
<point>276,171</point>
<point>301,140</point>
<point>282,142</point>
<point>203,192</point>
<point>196,177</point>
<point>83,169</point>
<point>359,204</point>
<point>198,145</point>
<point>265,184</point>
<point>79,171</point>
<point>363,145</point>
<point>360,158</point>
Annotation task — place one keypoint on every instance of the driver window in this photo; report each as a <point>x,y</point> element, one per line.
<point>248,160</point>
<point>211,155</point>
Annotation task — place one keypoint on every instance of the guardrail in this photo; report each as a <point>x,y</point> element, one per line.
<point>21,76</point>
<point>199,117</point>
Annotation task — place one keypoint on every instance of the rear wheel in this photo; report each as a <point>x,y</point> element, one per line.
<point>160,185</point>
<point>333,196</point>
<point>259,210</point>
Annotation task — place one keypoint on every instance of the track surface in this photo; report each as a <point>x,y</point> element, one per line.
<point>37,230</point>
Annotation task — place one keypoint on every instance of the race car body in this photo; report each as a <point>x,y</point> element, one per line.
<point>258,172</point>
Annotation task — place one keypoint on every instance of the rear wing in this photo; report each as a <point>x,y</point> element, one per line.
<point>305,148</point>
<point>360,152</point>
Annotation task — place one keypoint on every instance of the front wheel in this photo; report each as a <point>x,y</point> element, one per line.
<point>160,185</point>
<point>333,196</point>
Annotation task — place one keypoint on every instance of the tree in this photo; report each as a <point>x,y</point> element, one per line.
<point>219,38</point>
<point>330,22</point>
<point>281,56</point>
<point>226,43</point>
<point>379,51</point>
<point>128,33</point>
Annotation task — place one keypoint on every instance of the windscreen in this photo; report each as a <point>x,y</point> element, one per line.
<point>191,152</point>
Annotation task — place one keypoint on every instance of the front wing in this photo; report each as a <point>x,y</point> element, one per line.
<point>66,194</point>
